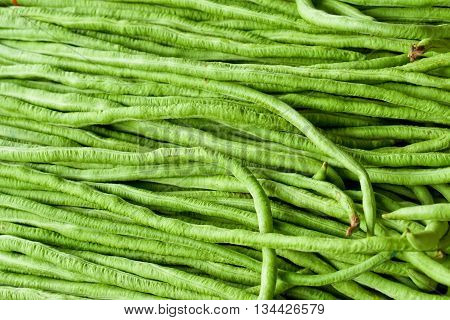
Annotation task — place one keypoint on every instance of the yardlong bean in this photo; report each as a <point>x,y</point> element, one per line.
<point>438,212</point>
<point>211,234</point>
<point>224,149</point>
<point>308,12</point>
<point>261,204</point>
<point>107,275</point>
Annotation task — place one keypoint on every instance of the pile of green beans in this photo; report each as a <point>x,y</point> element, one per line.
<point>212,149</point>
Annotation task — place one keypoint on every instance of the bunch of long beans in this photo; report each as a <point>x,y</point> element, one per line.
<point>224,149</point>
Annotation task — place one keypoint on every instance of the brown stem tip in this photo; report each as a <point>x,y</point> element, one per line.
<point>415,52</point>
<point>354,224</point>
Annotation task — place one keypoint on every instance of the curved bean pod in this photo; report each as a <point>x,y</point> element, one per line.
<point>317,265</point>
<point>393,131</point>
<point>376,63</point>
<point>390,288</point>
<point>328,102</point>
<point>437,212</point>
<point>342,275</point>
<point>343,41</point>
<point>406,177</point>
<point>342,9</point>
<point>130,173</point>
<point>425,93</point>
<point>428,266</point>
<point>426,14</point>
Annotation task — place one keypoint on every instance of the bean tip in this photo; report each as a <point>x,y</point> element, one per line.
<point>354,223</point>
<point>416,51</point>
